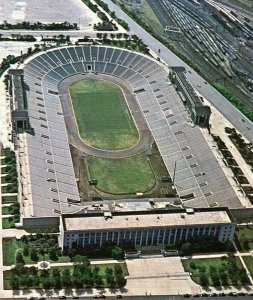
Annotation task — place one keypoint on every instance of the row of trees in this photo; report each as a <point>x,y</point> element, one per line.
<point>235,101</point>
<point>124,40</point>
<point>244,148</point>
<point>106,24</point>
<point>105,7</point>
<point>222,275</point>
<point>38,26</point>
<point>10,170</point>
<point>78,276</point>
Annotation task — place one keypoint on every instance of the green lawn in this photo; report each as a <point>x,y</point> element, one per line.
<point>3,180</point>
<point>5,210</point>
<point>249,263</point>
<point>7,224</point>
<point>102,268</point>
<point>102,115</point>
<point>244,236</point>
<point>9,199</point>
<point>10,247</point>
<point>196,266</point>
<point>122,176</point>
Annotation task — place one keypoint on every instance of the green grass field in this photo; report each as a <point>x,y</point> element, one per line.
<point>249,263</point>
<point>194,266</point>
<point>102,115</point>
<point>244,236</point>
<point>122,176</point>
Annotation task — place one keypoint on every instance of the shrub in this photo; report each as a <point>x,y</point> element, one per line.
<point>117,252</point>
<point>20,258</point>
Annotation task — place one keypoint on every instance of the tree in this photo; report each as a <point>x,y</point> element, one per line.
<point>96,276</point>
<point>119,275</point>
<point>77,279</point>
<point>46,282</point>
<point>119,35</point>
<point>118,271</point>
<point>99,35</point>
<point>193,265</point>
<point>14,282</point>
<point>232,265</point>
<point>224,278</point>
<point>203,279</point>
<point>66,279</point>
<point>87,276</point>
<point>36,281</point>
<point>109,277</point>
<point>26,250</point>
<point>81,263</point>
<point>34,254</point>
<point>56,277</point>
<point>24,281</point>
<point>117,253</point>
<point>20,258</point>
<point>214,276</point>
<point>186,248</point>
<point>244,279</point>
<point>53,254</point>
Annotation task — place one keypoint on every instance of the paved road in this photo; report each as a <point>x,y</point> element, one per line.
<point>212,96</point>
<point>145,137</point>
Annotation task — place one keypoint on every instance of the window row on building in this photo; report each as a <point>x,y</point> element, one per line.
<point>146,237</point>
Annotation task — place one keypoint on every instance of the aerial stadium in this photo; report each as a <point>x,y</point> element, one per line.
<point>108,106</point>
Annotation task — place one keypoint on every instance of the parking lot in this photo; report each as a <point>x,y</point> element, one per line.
<point>44,11</point>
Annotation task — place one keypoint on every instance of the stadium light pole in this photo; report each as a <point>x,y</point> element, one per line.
<point>174,173</point>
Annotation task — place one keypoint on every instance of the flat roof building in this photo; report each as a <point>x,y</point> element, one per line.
<point>146,228</point>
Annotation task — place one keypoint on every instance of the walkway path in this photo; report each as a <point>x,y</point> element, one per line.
<point>69,264</point>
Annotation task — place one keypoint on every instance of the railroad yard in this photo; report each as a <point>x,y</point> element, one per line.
<point>216,40</point>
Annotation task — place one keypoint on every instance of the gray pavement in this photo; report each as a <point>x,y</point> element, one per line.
<point>45,11</point>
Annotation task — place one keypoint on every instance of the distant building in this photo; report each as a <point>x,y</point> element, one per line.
<point>146,228</point>
<point>19,114</point>
<point>200,113</point>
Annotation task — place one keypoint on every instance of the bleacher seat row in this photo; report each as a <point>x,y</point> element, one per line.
<point>198,174</point>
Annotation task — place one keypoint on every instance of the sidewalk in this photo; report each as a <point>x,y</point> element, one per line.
<point>69,264</point>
